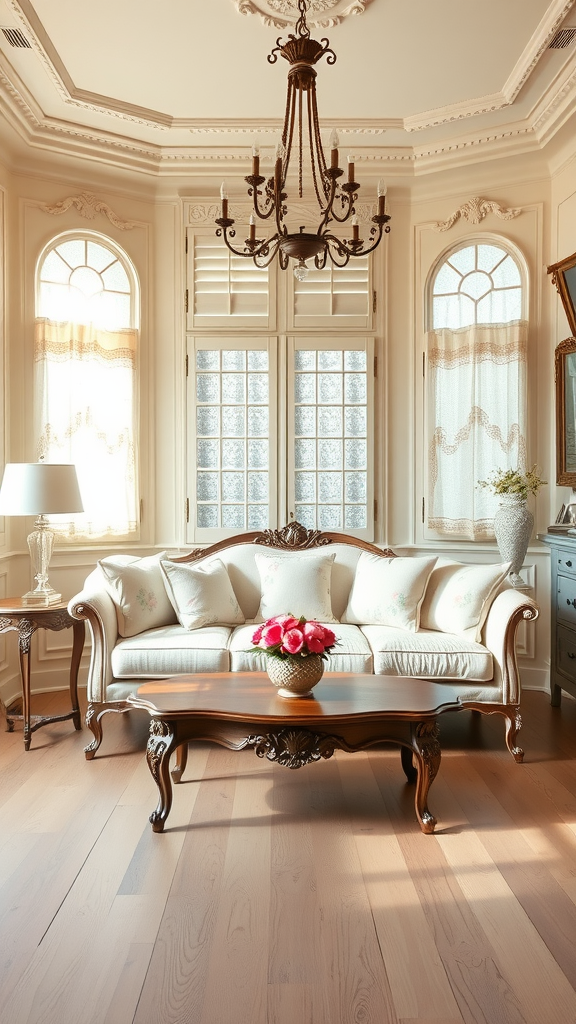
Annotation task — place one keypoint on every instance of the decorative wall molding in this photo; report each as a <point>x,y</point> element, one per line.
<point>88,205</point>
<point>205,213</point>
<point>474,210</point>
<point>284,13</point>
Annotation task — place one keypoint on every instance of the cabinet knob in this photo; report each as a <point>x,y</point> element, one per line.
<point>569,564</point>
<point>571,655</point>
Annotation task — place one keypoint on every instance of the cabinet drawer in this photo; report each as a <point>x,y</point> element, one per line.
<point>566,600</point>
<point>566,563</point>
<point>566,653</point>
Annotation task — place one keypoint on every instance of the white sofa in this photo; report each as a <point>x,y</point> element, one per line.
<point>138,634</point>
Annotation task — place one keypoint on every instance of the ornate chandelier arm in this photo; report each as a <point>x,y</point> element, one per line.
<point>257,250</point>
<point>358,248</point>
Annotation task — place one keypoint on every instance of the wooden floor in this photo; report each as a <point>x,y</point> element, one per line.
<point>290,897</point>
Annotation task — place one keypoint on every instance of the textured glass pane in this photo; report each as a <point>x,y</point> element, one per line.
<point>233,454</point>
<point>99,256</point>
<point>330,454</point>
<point>354,517</point>
<point>355,387</point>
<point>257,360</point>
<point>329,487</point>
<point>207,454</point>
<point>356,454</point>
<point>207,421</point>
<point>258,387</point>
<point>305,486</point>
<point>447,280</point>
<point>207,360</point>
<point>74,252</point>
<point>208,387</point>
<point>488,256</point>
<point>330,388</point>
<point>330,422</point>
<point>233,387</point>
<point>330,517</point>
<point>258,454</point>
<point>476,284</point>
<point>355,422</point>
<point>54,269</point>
<point>232,486</point>
<point>207,487</point>
<point>110,310</point>
<point>355,487</point>
<point>232,360</point>
<point>233,421</point>
<point>464,260</point>
<point>452,311</point>
<point>257,517</point>
<point>305,454</point>
<point>329,360</point>
<point>257,422</point>
<point>115,278</point>
<point>305,360</point>
<point>507,274</point>
<point>305,388</point>
<point>304,421</point>
<point>233,517</point>
<point>207,516</point>
<point>500,307</point>
<point>257,486</point>
<point>354,360</point>
<point>86,281</point>
<point>306,514</point>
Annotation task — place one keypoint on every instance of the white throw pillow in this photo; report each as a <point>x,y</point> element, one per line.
<point>296,583</point>
<point>388,591</point>
<point>458,597</point>
<point>202,594</point>
<point>136,586</point>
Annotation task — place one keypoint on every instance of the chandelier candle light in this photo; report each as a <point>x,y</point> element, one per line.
<point>335,201</point>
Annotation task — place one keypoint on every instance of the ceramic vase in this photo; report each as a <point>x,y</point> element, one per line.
<point>513,525</point>
<point>295,676</point>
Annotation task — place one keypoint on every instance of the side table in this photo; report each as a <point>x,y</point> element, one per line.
<point>25,620</point>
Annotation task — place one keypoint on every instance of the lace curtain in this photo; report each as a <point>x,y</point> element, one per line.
<point>85,386</point>
<point>476,409</point>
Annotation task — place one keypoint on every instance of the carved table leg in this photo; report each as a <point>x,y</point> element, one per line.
<point>427,750</point>
<point>161,742</point>
<point>406,755</point>
<point>25,632</point>
<point>180,763</point>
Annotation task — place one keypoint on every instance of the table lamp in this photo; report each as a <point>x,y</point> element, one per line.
<point>40,489</point>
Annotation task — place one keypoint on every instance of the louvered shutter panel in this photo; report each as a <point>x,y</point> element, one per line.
<point>335,297</point>
<point>226,290</point>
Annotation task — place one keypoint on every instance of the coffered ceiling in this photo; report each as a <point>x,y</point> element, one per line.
<point>185,84</point>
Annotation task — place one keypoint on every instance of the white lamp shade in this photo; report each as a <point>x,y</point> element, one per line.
<point>39,488</point>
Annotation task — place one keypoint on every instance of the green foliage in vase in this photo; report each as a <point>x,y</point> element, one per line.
<point>514,481</point>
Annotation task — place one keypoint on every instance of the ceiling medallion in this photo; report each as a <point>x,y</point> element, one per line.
<point>301,139</point>
<point>281,13</point>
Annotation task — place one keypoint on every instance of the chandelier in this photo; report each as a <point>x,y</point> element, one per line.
<point>335,200</point>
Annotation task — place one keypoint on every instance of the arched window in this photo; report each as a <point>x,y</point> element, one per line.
<point>85,376</point>
<point>476,382</point>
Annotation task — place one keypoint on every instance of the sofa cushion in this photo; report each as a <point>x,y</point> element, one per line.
<point>136,586</point>
<point>458,597</point>
<point>388,591</point>
<point>201,594</point>
<point>170,651</point>
<point>296,584</point>
<point>428,654</point>
<point>352,654</point>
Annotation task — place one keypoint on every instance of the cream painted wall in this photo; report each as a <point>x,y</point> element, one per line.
<point>155,245</point>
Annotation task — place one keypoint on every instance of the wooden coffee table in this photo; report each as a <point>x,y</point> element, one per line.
<point>346,712</point>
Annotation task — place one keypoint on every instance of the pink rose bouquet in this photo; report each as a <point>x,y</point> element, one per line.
<point>284,637</point>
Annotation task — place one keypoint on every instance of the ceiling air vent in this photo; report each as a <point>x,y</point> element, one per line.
<point>562,39</point>
<point>17,38</point>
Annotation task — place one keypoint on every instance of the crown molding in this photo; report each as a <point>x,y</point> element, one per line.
<point>284,13</point>
<point>474,210</point>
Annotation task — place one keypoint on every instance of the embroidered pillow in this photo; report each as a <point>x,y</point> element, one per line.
<point>459,596</point>
<point>136,586</point>
<point>388,591</point>
<point>201,594</point>
<point>296,583</point>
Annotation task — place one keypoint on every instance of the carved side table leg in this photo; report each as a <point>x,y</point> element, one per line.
<point>25,632</point>
<point>180,763</point>
<point>428,753</point>
<point>161,742</point>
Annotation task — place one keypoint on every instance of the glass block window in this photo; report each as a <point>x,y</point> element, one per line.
<point>232,410</point>
<point>332,437</point>
<point>477,284</point>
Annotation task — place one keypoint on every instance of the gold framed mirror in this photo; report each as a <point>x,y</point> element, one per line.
<point>564,277</point>
<point>565,376</point>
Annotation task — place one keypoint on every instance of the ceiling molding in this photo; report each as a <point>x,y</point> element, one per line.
<point>284,13</point>
<point>536,46</point>
<point>474,210</point>
<point>88,206</point>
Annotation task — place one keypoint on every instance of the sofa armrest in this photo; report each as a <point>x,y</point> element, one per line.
<point>95,606</point>
<point>507,611</point>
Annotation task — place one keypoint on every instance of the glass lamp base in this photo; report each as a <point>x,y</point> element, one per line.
<point>41,598</point>
<point>40,543</point>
